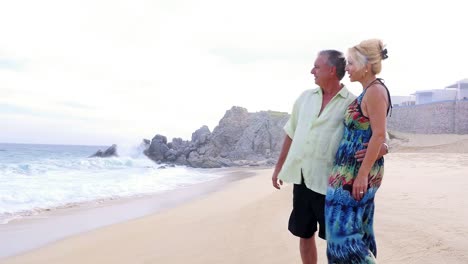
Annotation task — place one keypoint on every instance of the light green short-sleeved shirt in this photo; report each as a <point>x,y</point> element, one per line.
<point>315,138</point>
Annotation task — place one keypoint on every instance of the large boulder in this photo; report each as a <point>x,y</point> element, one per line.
<point>109,152</point>
<point>242,135</point>
<point>195,160</point>
<point>170,155</point>
<point>157,148</point>
<point>178,144</point>
<point>201,136</point>
<point>228,132</point>
<point>144,145</point>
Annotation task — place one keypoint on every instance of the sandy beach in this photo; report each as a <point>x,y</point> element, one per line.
<point>421,217</point>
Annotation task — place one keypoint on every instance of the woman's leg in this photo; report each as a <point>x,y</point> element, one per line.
<point>347,223</point>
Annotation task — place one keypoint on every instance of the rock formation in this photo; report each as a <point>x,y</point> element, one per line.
<point>109,152</point>
<point>241,138</point>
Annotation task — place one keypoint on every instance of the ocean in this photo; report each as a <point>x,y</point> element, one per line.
<point>37,178</point>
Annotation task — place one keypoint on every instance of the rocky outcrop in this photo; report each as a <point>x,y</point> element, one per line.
<point>109,152</point>
<point>157,148</point>
<point>248,136</point>
<point>240,139</point>
<point>144,145</point>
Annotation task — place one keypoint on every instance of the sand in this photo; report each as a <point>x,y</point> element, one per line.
<point>421,217</point>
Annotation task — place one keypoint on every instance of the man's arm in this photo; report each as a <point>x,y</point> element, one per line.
<point>282,157</point>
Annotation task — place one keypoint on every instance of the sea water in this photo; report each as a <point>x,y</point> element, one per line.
<point>34,178</point>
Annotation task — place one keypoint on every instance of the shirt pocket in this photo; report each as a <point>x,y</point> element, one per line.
<point>324,145</point>
<point>328,141</point>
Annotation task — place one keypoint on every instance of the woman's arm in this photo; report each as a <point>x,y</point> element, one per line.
<point>376,103</point>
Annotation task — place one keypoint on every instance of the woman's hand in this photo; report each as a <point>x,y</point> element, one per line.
<point>360,186</point>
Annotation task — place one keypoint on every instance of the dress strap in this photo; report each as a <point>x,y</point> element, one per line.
<point>390,106</point>
<point>374,81</point>
<point>381,81</point>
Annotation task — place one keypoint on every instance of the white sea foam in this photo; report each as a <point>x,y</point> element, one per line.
<point>57,177</point>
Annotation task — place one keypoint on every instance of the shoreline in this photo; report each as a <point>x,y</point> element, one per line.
<point>21,235</point>
<point>421,218</point>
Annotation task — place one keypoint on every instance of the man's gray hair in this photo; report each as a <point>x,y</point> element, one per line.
<point>336,59</point>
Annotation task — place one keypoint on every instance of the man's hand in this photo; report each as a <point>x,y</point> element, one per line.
<point>282,157</point>
<point>361,154</point>
<point>276,182</point>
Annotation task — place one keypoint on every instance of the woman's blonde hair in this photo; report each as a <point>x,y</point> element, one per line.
<point>371,52</point>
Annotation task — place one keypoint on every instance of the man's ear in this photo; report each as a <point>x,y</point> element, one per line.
<point>333,70</point>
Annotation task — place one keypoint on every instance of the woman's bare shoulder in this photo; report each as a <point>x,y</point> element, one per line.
<point>376,91</point>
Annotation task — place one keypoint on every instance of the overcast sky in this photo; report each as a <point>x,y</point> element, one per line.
<point>103,72</point>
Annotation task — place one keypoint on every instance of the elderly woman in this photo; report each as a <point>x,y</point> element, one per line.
<point>349,202</point>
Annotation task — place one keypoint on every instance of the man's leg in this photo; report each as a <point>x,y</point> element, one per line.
<point>307,212</point>
<point>308,250</point>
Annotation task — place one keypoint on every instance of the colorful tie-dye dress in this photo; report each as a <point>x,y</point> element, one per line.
<point>349,231</point>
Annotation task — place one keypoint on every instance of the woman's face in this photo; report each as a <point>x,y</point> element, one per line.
<point>354,71</point>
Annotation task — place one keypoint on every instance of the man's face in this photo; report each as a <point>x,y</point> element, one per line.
<point>321,71</point>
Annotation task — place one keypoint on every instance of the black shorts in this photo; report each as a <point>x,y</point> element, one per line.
<point>308,210</point>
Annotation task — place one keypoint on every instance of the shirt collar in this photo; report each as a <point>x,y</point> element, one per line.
<point>343,92</point>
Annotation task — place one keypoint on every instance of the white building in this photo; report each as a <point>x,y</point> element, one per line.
<point>462,89</point>
<point>457,91</point>
<point>436,95</point>
<point>403,100</point>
